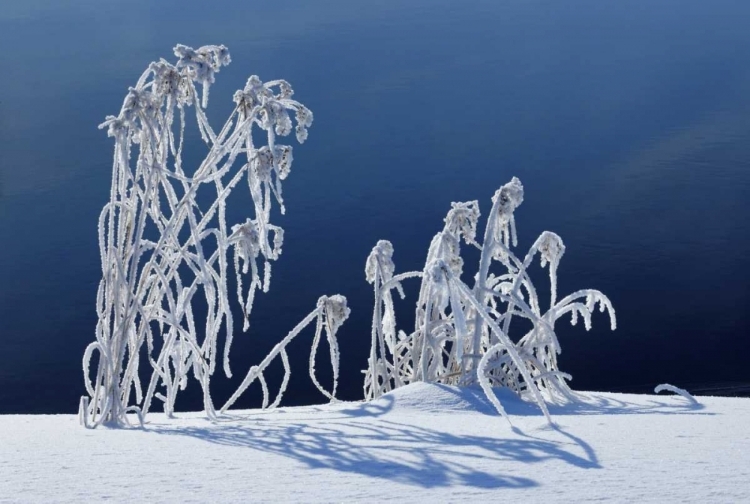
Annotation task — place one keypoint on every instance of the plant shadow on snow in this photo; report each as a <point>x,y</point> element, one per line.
<point>384,439</point>
<point>364,440</point>
<point>447,399</point>
<point>588,404</point>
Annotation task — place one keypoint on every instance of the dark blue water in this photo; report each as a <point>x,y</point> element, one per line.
<point>628,123</point>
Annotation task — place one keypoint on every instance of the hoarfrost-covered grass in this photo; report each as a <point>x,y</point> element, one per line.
<point>421,442</point>
<point>152,281</point>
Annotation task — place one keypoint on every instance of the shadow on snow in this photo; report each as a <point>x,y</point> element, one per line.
<point>361,439</point>
<point>352,441</point>
<point>588,403</point>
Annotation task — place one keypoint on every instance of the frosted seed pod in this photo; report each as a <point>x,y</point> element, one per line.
<point>336,310</point>
<point>381,256</point>
<point>510,197</point>
<point>462,219</point>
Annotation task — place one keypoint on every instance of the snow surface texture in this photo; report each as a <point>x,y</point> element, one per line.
<point>462,335</point>
<point>163,252</point>
<point>420,443</point>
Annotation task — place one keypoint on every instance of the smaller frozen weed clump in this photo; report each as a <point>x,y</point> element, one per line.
<point>461,335</point>
<point>165,251</point>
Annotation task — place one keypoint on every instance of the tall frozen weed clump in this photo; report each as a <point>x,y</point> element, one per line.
<point>163,253</point>
<point>461,334</point>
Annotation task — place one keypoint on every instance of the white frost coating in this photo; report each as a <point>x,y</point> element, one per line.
<point>671,388</point>
<point>461,335</point>
<point>163,254</point>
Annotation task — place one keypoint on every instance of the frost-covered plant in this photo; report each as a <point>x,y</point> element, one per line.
<point>461,334</point>
<point>165,251</point>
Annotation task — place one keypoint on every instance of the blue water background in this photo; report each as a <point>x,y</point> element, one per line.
<point>628,123</point>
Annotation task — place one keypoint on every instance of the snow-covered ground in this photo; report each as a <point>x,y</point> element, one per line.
<point>422,443</point>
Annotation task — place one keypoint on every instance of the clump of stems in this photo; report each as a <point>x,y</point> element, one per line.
<point>461,334</point>
<point>164,250</point>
